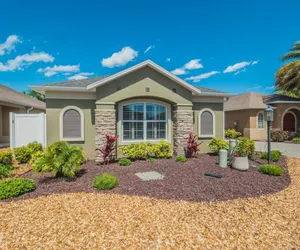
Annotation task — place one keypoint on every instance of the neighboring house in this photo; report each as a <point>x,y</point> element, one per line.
<point>245,113</point>
<point>13,101</point>
<point>139,104</point>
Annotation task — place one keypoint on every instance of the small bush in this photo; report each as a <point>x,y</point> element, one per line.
<point>105,182</point>
<point>162,150</point>
<point>181,158</point>
<point>6,156</point>
<point>281,136</point>
<point>232,134</point>
<point>124,162</point>
<point>35,147</point>
<point>35,156</point>
<point>60,158</point>
<point>271,169</point>
<point>22,154</point>
<point>245,147</point>
<point>5,170</point>
<point>275,155</point>
<point>150,160</point>
<point>141,150</point>
<point>296,140</point>
<point>15,187</point>
<point>193,146</point>
<point>108,148</point>
<point>216,144</point>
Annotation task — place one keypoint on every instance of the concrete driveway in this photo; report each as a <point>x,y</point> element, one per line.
<point>288,149</point>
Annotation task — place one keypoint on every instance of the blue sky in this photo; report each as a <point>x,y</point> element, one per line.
<point>232,46</point>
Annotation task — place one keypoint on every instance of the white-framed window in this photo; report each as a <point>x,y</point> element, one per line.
<point>207,123</point>
<point>71,124</point>
<point>144,121</point>
<point>260,120</point>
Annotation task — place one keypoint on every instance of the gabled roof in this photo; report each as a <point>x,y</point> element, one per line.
<point>90,84</point>
<point>249,100</point>
<point>11,96</point>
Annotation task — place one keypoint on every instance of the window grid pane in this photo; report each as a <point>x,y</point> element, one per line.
<point>156,130</point>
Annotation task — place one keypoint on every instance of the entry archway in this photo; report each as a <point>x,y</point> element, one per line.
<point>289,122</point>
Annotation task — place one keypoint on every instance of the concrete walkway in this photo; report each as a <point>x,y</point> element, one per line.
<point>288,149</point>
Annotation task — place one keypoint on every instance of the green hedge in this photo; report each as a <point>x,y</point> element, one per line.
<point>105,182</point>
<point>271,169</point>
<point>22,154</point>
<point>275,155</point>
<point>124,162</point>
<point>181,158</point>
<point>217,144</point>
<point>15,187</point>
<point>6,156</point>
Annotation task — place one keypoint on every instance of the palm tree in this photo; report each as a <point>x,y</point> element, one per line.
<point>288,76</point>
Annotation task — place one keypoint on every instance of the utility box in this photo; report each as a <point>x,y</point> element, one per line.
<point>223,158</point>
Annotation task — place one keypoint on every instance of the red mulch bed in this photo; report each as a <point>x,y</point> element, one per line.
<point>183,181</point>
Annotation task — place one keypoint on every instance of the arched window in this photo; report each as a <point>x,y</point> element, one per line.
<point>260,120</point>
<point>71,124</point>
<point>206,123</point>
<point>144,121</point>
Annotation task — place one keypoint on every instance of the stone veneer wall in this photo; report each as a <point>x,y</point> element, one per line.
<point>183,121</point>
<point>105,121</point>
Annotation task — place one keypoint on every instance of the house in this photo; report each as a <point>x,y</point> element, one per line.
<point>13,101</point>
<point>142,103</point>
<point>245,113</point>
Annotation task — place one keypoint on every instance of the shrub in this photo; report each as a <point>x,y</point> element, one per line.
<point>35,147</point>
<point>232,134</point>
<point>216,144</point>
<point>22,154</point>
<point>6,156</point>
<point>275,155</point>
<point>108,148</point>
<point>181,158</point>
<point>124,162</point>
<point>296,140</point>
<point>271,169</point>
<point>162,150</point>
<point>105,182</point>
<point>141,150</point>
<point>5,170</point>
<point>192,145</point>
<point>15,187</point>
<point>281,136</point>
<point>150,160</point>
<point>61,159</point>
<point>245,147</point>
<point>35,156</point>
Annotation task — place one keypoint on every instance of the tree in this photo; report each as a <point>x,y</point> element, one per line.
<point>34,94</point>
<point>288,76</point>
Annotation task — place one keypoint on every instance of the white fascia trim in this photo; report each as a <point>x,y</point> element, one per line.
<point>42,89</point>
<point>61,126</point>
<point>216,94</point>
<point>283,102</point>
<point>139,66</point>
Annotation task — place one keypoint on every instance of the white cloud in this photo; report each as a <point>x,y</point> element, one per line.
<point>168,59</point>
<point>270,87</point>
<point>120,58</point>
<point>149,48</point>
<point>80,76</point>
<point>179,71</point>
<point>236,67</point>
<point>255,62</point>
<point>193,64</point>
<point>51,71</point>
<point>255,87</point>
<point>9,44</point>
<point>202,76</point>
<point>25,60</point>
<point>240,71</point>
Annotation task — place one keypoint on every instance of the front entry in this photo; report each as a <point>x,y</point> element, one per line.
<point>289,122</point>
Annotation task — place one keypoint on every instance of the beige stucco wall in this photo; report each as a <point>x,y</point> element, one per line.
<point>217,108</point>
<point>54,107</point>
<point>281,108</point>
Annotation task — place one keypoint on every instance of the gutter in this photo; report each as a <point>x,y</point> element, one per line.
<point>20,103</point>
<point>28,110</point>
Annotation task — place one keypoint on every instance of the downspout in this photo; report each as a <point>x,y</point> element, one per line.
<point>28,110</point>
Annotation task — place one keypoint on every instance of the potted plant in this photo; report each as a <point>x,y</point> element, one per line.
<point>240,159</point>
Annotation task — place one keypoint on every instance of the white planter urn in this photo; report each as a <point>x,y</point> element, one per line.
<point>240,163</point>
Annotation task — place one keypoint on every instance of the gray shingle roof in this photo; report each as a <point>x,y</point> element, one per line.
<point>208,90</point>
<point>76,83</point>
<point>12,96</point>
<point>280,98</point>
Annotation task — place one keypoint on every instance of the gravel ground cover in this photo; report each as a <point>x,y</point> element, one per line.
<point>182,181</point>
<point>114,221</point>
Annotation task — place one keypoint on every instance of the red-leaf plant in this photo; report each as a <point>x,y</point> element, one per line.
<point>192,145</point>
<point>108,148</point>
